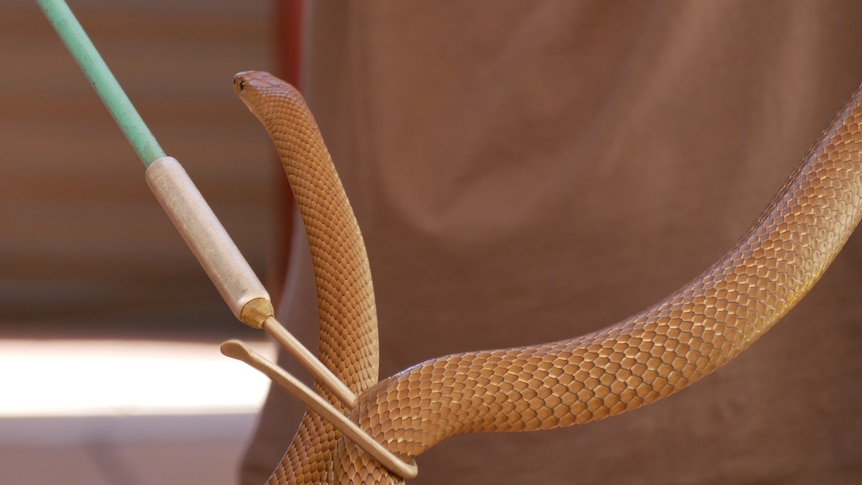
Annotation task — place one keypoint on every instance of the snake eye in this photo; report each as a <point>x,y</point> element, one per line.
<point>241,85</point>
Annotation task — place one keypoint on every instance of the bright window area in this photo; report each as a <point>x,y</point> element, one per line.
<point>125,378</point>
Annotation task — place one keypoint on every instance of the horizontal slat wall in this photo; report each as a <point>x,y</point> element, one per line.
<point>84,247</point>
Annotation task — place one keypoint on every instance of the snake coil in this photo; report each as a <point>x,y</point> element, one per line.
<point>624,366</point>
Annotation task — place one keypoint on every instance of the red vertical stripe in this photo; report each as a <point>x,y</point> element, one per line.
<point>288,51</point>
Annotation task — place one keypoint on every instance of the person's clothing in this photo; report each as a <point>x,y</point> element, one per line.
<point>530,171</point>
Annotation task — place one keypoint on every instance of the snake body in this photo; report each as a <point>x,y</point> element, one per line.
<point>345,296</point>
<point>634,362</point>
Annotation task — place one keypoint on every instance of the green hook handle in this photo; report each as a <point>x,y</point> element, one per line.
<point>105,84</point>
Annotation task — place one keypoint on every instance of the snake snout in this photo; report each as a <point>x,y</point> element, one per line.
<point>239,81</point>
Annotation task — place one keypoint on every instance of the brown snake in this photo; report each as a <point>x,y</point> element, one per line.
<point>635,362</point>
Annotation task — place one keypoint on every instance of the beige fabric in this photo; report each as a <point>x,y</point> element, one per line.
<point>529,171</point>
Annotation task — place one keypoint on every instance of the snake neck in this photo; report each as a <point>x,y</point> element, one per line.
<point>345,294</point>
<point>347,318</point>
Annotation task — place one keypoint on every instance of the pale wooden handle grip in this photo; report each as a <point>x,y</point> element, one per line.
<point>212,246</point>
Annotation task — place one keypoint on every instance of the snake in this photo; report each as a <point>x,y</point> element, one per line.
<point>643,358</point>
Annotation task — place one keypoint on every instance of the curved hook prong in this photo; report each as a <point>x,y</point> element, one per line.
<point>240,351</point>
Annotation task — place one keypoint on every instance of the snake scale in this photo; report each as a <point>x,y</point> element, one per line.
<point>619,368</point>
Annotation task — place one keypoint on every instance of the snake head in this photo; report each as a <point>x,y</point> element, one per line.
<point>252,80</point>
<point>267,97</point>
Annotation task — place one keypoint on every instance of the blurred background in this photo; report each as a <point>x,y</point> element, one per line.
<point>109,330</point>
